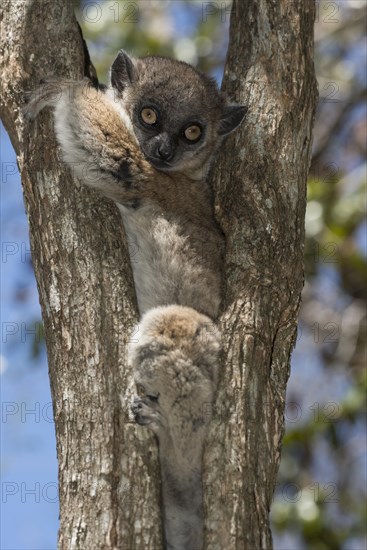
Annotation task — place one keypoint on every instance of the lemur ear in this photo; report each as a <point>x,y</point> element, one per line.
<point>122,71</point>
<point>232,117</point>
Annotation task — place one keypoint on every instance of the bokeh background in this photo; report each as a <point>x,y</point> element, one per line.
<point>320,497</point>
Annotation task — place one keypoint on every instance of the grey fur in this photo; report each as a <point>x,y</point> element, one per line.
<point>176,365</point>
<point>167,211</point>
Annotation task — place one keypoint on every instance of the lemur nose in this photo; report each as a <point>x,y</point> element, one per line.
<point>164,151</point>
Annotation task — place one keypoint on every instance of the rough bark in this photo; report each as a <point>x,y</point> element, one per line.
<point>108,471</point>
<point>260,184</point>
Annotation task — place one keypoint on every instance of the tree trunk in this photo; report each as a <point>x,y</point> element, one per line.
<point>260,203</point>
<point>108,483</point>
<point>108,470</point>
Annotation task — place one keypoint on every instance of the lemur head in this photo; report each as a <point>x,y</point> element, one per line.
<point>178,114</point>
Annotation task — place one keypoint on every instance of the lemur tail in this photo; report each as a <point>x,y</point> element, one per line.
<point>182,508</point>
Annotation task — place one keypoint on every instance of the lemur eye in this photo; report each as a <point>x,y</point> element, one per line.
<point>148,115</point>
<point>193,133</point>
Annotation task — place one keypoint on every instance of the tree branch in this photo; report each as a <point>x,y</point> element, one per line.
<point>260,184</point>
<point>109,495</point>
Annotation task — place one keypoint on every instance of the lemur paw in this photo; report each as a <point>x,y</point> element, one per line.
<point>144,413</point>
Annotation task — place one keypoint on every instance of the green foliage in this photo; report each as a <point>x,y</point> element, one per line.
<point>156,28</point>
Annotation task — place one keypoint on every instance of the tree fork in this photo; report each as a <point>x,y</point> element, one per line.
<point>108,470</point>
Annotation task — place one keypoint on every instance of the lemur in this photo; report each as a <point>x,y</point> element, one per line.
<point>147,142</point>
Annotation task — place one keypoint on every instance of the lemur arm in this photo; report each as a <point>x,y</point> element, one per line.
<point>96,143</point>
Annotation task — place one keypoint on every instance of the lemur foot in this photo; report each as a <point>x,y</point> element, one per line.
<point>174,359</point>
<point>144,413</point>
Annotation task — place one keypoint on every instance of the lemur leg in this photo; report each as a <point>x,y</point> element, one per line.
<point>175,363</point>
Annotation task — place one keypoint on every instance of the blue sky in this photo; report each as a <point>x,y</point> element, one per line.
<point>29,504</point>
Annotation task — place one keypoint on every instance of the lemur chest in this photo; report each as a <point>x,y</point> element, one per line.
<point>164,259</point>
<point>157,254</point>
